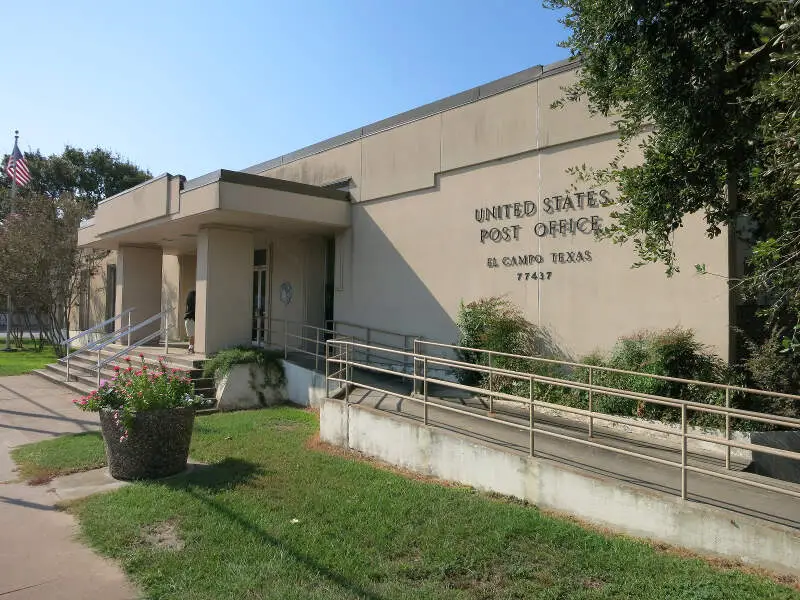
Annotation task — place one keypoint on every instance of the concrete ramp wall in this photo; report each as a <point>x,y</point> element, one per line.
<point>603,502</point>
<point>304,387</point>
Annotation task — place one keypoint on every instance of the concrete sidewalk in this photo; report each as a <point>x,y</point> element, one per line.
<point>39,555</point>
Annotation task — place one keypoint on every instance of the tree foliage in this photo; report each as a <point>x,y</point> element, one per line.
<point>710,91</point>
<point>87,175</point>
<point>41,266</point>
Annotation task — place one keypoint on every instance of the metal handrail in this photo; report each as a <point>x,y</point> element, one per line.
<point>113,319</point>
<point>720,386</point>
<point>340,365</point>
<point>125,331</point>
<point>321,335</point>
<point>128,348</point>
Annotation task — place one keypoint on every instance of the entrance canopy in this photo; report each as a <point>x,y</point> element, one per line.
<point>168,211</point>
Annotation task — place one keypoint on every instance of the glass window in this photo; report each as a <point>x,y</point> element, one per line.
<point>260,258</point>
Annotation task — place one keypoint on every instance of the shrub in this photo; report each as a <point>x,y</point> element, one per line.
<point>671,353</point>
<point>134,390</point>
<point>770,367</point>
<point>268,361</point>
<point>497,325</point>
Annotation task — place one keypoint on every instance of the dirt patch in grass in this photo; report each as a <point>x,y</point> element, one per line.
<point>41,479</point>
<point>163,535</point>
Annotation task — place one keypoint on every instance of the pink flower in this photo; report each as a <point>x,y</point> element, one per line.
<point>116,368</point>
<point>127,359</point>
<point>141,355</point>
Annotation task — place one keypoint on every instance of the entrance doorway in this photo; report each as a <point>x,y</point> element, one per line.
<point>261,295</point>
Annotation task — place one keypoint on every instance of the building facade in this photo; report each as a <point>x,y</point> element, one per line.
<point>393,225</point>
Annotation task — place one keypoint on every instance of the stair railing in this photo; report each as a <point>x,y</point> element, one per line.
<point>99,345</point>
<point>92,344</point>
<point>163,330</point>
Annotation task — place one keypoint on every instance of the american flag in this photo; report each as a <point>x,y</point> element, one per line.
<point>16,168</point>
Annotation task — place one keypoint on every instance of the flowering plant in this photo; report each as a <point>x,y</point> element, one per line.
<point>140,389</point>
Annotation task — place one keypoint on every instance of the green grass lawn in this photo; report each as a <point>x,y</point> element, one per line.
<point>270,518</point>
<point>25,360</point>
<point>42,461</point>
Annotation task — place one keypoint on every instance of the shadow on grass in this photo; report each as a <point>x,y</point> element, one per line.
<point>230,473</point>
<point>216,477</point>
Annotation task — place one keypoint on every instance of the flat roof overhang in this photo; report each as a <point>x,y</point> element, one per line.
<point>158,212</point>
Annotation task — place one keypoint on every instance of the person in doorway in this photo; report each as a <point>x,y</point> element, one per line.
<point>188,320</point>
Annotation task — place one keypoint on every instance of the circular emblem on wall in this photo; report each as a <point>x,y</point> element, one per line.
<point>286,292</point>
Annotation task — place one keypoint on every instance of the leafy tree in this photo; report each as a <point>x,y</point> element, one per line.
<point>41,266</point>
<point>710,91</point>
<point>87,175</point>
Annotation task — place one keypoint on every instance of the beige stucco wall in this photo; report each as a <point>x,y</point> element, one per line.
<point>415,251</point>
<point>170,290</point>
<point>139,284</point>
<point>320,169</point>
<point>414,259</point>
<point>501,126</point>
<point>142,203</point>
<point>300,263</point>
<point>416,248</point>
<point>224,288</point>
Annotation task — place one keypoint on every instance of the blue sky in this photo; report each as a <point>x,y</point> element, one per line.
<point>189,87</point>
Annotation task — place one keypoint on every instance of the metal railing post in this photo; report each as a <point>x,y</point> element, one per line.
<point>530,423</point>
<point>67,379</point>
<point>425,389</point>
<point>683,451</point>
<point>727,428</point>
<point>166,334</point>
<point>369,342</point>
<point>405,358</point>
<point>327,371</point>
<point>129,329</point>
<point>285,340</point>
<point>591,416</point>
<point>415,362</point>
<point>98,369</point>
<point>491,384</point>
<point>347,374</point>
<point>316,349</point>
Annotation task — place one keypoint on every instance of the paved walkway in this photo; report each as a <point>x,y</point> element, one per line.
<point>39,555</point>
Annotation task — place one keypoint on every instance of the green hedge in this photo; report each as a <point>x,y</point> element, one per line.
<point>496,324</point>
<point>269,361</point>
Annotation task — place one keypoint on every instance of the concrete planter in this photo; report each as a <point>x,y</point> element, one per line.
<point>246,387</point>
<point>157,444</point>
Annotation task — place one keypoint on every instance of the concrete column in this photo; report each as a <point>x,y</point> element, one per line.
<point>224,289</point>
<point>139,285</point>
<point>170,290</point>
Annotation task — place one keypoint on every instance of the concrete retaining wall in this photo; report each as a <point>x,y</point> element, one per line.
<point>244,388</point>
<point>629,425</point>
<point>779,467</point>
<point>304,386</point>
<point>603,502</point>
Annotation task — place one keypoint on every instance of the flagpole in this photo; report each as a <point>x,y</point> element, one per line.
<point>9,313</point>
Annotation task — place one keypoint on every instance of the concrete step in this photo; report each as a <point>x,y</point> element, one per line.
<point>177,357</point>
<point>76,386</point>
<point>82,371</point>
